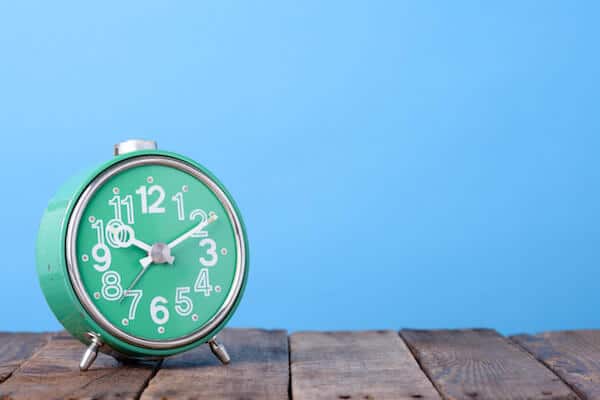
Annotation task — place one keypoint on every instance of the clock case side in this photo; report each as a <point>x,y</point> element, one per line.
<point>53,272</point>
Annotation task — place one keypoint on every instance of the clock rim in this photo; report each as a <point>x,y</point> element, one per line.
<point>81,294</point>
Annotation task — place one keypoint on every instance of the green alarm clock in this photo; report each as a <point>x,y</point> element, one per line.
<point>144,256</point>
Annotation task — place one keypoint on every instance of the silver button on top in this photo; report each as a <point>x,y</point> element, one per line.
<point>134,145</point>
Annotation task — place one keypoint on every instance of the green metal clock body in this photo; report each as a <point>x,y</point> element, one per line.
<point>144,256</point>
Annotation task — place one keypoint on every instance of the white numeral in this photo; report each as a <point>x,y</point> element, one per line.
<point>137,295</point>
<point>211,251</point>
<point>183,304</point>
<point>203,282</point>
<point>203,217</point>
<point>155,207</point>
<point>157,306</point>
<point>117,203</point>
<point>178,198</point>
<point>103,260</point>
<point>128,202</point>
<point>99,227</point>
<point>111,286</point>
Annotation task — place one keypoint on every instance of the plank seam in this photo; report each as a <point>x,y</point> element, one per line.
<point>413,352</point>
<point>578,394</point>
<point>49,337</point>
<point>155,370</point>
<point>290,396</point>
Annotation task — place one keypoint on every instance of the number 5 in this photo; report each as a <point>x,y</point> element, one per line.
<point>183,304</point>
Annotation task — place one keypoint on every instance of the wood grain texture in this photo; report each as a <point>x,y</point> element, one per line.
<point>53,373</point>
<point>572,355</point>
<point>355,365</point>
<point>15,348</point>
<point>481,364</point>
<point>259,369</point>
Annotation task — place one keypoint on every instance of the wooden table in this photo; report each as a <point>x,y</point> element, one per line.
<point>268,364</point>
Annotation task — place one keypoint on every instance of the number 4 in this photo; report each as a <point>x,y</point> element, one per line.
<point>203,282</point>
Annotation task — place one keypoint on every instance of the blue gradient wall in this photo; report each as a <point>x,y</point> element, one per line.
<point>398,164</point>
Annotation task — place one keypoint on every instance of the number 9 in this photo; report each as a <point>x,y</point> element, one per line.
<point>103,259</point>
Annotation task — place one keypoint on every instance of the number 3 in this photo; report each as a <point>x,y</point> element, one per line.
<point>212,252</point>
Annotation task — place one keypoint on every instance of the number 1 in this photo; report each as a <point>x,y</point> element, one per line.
<point>116,202</point>
<point>178,198</point>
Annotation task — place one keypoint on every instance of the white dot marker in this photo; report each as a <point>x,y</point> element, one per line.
<point>161,329</point>
<point>224,251</point>
<point>218,289</point>
<point>92,219</point>
<point>85,258</point>
<point>149,179</point>
<point>125,321</point>
<point>195,317</point>
<point>116,190</point>
<point>97,295</point>
<point>184,188</point>
<point>212,214</point>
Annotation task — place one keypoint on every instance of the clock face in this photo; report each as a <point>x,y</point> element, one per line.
<point>156,250</point>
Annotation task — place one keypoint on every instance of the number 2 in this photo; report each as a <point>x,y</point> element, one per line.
<point>203,217</point>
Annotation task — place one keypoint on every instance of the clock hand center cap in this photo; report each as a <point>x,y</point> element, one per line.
<point>161,254</point>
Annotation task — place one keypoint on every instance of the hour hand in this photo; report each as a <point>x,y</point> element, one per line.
<point>141,245</point>
<point>117,230</point>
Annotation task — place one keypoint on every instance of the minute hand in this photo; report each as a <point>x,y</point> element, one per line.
<point>195,229</point>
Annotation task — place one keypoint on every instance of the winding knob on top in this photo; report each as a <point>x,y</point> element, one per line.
<point>134,145</point>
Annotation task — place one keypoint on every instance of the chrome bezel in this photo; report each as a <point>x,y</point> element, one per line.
<point>73,267</point>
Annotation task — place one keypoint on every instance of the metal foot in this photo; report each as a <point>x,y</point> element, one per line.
<point>219,351</point>
<point>90,353</point>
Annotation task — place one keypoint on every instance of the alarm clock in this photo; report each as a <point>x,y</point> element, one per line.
<point>144,256</point>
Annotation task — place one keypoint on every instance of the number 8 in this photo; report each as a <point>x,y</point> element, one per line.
<point>111,286</point>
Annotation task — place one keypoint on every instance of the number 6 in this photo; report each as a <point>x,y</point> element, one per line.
<point>157,305</point>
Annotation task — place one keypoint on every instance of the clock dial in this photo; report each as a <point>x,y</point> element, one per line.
<point>156,252</point>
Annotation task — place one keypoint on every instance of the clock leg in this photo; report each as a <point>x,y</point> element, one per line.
<point>219,350</point>
<point>90,353</point>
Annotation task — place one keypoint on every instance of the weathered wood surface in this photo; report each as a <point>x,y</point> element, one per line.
<point>258,370</point>
<point>355,365</point>
<point>15,348</point>
<point>481,364</point>
<point>448,364</point>
<point>53,373</point>
<point>573,355</point>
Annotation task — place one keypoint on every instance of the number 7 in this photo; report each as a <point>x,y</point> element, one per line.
<point>137,295</point>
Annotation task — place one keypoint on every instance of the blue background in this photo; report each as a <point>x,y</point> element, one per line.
<point>398,164</point>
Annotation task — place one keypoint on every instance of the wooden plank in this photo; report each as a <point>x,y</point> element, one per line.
<point>572,355</point>
<point>53,373</point>
<point>355,365</point>
<point>480,364</point>
<point>15,348</point>
<point>258,370</point>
